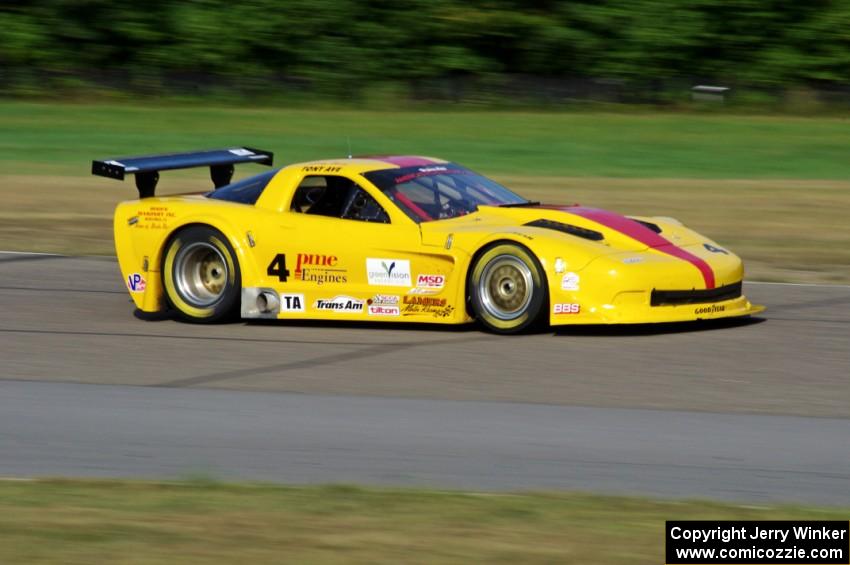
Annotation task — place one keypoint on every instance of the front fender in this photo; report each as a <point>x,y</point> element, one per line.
<point>569,257</point>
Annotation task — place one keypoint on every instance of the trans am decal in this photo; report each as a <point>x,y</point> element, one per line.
<point>339,304</point>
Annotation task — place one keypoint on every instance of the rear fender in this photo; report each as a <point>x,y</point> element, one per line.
<point>140,253</point>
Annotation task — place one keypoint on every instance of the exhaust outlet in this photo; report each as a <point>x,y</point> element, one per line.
<point>268,302</point>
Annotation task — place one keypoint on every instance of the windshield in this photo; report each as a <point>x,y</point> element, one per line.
<point>438,192</point>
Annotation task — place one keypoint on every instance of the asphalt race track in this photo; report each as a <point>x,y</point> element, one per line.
<point>752,410</point>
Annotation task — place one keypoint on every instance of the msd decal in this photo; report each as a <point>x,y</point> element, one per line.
<point>430,281</point>
<point>566,308</point>
<point>136,283</point>
<point>388,272</point>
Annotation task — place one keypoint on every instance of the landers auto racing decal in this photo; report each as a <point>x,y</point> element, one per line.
<point>437,307</point>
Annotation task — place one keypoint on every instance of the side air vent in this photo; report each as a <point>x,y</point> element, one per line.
<point>567,228</point>
<point>650,225</point>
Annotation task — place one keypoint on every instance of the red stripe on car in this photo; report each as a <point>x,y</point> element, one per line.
<point>641,233</point>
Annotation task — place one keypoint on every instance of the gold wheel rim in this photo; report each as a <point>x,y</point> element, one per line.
<point>505,287</point>
<point>201,274</point>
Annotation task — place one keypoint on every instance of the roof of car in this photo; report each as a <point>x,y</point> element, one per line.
<point>374,162</point>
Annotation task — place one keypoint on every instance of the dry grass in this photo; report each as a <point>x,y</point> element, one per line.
<point>83,522</point>
<point>789,230</point>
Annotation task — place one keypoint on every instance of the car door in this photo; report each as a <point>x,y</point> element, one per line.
<point>353,258</point>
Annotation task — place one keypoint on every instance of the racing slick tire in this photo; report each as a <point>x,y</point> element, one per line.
<point>200,274</point>
<point>507,289</point>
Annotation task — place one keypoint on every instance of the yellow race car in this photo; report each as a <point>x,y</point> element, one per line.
<point>402,238</point>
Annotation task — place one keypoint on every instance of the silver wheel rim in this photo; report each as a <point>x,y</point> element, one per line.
<point>200,274</point>
<point>505,287</point>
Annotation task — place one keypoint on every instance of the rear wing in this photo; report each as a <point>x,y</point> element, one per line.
<point>146,169</point>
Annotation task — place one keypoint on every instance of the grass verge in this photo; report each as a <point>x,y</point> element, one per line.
<point>63,138</point>
<point>84,522</point>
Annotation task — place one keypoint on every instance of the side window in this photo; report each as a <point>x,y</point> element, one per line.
<point>245,191</point>
<point>336,197</point>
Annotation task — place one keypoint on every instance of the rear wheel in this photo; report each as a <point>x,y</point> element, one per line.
<point>507,288</point>
<point>201,276</point>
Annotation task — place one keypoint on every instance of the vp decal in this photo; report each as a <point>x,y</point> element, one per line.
<point>136,283</point>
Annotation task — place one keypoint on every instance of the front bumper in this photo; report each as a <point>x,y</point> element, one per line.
<point>649,287</point>
<point>634,307</point>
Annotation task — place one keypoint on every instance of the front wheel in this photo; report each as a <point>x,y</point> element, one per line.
<point>201,276</point>
<point>507,288</point>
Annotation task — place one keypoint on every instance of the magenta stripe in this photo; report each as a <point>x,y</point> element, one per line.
<point>641,233</point>
<point>404,160</point>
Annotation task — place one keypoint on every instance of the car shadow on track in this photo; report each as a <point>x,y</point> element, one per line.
<point>353,324</point>
<point>632,330</point>
<point>162,316</point>
<point>338,324</point>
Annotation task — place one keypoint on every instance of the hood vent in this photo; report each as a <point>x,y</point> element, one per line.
<point>650,225</point>
<point>567,228</point>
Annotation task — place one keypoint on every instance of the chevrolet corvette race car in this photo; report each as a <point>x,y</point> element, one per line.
<point>403,238</point>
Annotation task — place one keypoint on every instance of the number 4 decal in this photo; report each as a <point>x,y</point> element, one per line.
<point>277,268</point>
